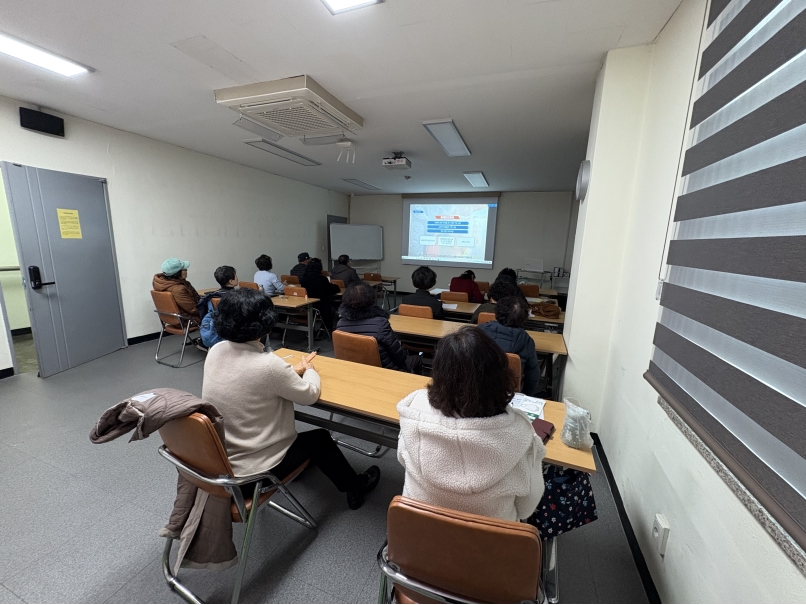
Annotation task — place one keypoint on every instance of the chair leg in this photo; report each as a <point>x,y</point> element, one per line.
<point>305,519</point>
<point>247,539</point>
<point>550,578</point>
<point>171,579</point>
<point>383,590</point>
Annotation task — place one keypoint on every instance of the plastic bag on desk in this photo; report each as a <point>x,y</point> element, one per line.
<point>576,428</point>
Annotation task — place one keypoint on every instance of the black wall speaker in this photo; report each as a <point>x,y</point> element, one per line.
<point>41,122</point>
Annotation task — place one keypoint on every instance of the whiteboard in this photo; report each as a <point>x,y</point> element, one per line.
<point>363,242</point>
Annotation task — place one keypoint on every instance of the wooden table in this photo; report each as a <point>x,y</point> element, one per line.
<point>371,394</point>
<point>438,328</point>
<point>296,303</point>
<point>463,310</point>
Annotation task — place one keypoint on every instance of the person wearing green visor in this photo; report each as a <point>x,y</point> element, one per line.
<point>173,279</point>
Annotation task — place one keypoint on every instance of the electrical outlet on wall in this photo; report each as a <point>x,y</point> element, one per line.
<point>660,533</point>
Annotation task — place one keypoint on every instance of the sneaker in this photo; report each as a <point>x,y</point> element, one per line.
<point>368,480</point>
<point>197,342</point>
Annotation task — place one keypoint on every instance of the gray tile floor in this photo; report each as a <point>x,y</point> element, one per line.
<point>80,521</point>
<point>25,353</point>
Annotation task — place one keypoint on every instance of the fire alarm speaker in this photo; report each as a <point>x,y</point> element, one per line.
<point>40,121</point>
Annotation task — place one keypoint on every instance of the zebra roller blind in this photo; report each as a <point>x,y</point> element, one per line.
<point>730,344</point>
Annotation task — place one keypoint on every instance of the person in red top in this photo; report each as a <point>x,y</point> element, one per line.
<point>466,283</point>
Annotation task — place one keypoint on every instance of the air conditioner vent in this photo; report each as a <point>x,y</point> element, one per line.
<point>294,107</point>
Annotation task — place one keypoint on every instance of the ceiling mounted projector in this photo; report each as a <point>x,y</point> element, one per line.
<point>397,162</point>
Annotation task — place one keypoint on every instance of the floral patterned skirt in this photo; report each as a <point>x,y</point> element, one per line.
<point>567,502</point>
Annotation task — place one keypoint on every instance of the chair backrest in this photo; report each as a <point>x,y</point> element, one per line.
<point>356,348</point>
<point>484,287</point>
<point>289,279</point>
<point>164,302</point>
<point>249,285</point>
<point>515,367</point>
<point>482,559</point>
<point>215,302</point>
<point>454,297</point>
<point>338,282</point>
<point>295,291</point>
<point>193,439</point>
<point>530,290</point>
<point>485,317</point>
<point>326,273</point>
<point>415,311</point>
<point>372,277</point>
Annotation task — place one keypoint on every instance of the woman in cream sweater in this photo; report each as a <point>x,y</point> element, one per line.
<point>255,391</point>
<point>462,445</point>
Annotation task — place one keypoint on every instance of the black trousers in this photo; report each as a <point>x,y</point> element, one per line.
<point>318,446</point>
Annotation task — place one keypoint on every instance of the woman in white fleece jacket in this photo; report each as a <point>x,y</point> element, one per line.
<point>462,445</point>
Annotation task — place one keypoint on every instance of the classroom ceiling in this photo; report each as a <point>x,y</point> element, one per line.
<point>516,76</point>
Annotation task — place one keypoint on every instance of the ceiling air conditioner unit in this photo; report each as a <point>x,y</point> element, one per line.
<point>294,107</point>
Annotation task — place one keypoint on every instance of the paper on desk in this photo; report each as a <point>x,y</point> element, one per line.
<point>449,307</point>
<point>532,406</point>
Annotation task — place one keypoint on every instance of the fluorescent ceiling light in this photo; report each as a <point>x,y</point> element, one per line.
<point>476,179</point>
<point>37,56</point>
<point>287,154</point>
<point>361,183</point>
<point>258,129</point>
<point>445,133</point>
<point>342,6</point>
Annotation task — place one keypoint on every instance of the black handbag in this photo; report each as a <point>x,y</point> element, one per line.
<point>567,503</point>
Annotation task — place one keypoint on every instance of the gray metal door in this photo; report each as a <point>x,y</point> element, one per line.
<point>62,225</point>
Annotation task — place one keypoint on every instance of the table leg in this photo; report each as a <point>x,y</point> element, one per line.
<point>311,328</point>
<point>394,283</point>
<point>556,373</point>
<point>551,586</point>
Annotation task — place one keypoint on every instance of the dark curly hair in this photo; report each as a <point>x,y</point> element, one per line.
<point>511,311</point>
<point>423,278</point>
<point>470,376</point>
<point>508,272</point>
<point>502,289</point>
<point>359,296</point>
<point>244,315</point>
<point>264,262</point>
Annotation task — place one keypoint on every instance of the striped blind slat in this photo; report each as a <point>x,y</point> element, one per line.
<point>730,344</point>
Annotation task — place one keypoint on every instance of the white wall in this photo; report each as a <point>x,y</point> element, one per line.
<point>529,225</point>
<point>168,201</point>
<point>11,282</point>
<point>717,551</point>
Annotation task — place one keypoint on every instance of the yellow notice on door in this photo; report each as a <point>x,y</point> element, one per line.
<point>69,223</point>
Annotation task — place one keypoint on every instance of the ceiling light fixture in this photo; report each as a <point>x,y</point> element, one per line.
<point>362,184</point>
<point>38,56</point>
<point>476,179</point>
<point>342,6</point>
<point>448,137</point>
<point>258,129</point>
<point>284,153</point>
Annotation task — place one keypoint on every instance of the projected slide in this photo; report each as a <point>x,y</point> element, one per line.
<point>447,232</point>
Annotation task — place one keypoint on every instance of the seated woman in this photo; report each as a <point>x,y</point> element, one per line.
<point>466,283</point>
<point>462,445</point>
<point>256,391</point>
<point>507,331</point>
<point>509,276</point>
<point>343,271</point>
<point>360,315</point>
<point>423,279</point>
<point>173,279</point>
<point>264,277</point>
<point>499,290</point>
<point>319,286</point>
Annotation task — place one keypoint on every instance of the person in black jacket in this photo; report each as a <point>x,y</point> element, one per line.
<point>424,279</point>
<point>360,315</point>
<point>298,270</point>
<point>343,271</point>
<point>507,331</point>
<point>509,276</point>
<point>227,278</point>
<point>319,286</point>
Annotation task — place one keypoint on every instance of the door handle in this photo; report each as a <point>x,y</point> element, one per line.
<point>35,278</point>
